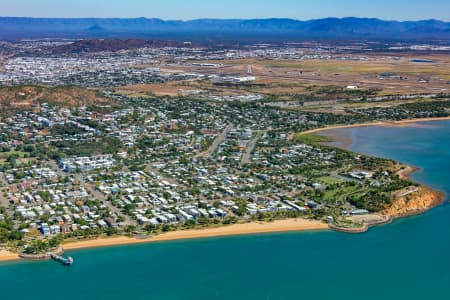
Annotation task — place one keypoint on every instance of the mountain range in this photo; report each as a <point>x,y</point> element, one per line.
<point>216,29</point>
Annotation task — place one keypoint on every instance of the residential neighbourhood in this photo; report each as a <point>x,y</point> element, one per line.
<point>158,164</point>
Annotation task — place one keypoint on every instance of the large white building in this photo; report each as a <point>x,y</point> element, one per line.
<point>86,163</point>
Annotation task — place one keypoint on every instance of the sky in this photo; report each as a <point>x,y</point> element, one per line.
<point>245,9</point>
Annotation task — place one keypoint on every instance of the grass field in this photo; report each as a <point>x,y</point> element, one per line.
<point>330,180</point>
<point>295,76</point>
<point>310,138</point>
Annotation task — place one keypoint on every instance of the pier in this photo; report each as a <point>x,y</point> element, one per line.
<point>62,260</point>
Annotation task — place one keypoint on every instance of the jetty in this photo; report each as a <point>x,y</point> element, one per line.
<point>62,260</point>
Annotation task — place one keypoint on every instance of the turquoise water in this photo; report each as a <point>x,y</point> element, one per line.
<point>409,259</point>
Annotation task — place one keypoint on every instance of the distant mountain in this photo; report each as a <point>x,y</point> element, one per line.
<point>95,28</point>
<point>216,29</point>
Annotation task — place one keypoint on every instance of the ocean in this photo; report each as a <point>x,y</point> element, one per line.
<point>409,259</point>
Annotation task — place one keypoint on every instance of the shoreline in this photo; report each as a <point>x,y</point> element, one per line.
<point>8,256</point>
<point>278,226</point>
<point>288,225</point>
<point>406,173</point>
<point>378,123</point>
<point>424,200</point>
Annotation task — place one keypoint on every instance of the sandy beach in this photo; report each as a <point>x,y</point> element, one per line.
<point>230,230</point>
<point>7,256</point>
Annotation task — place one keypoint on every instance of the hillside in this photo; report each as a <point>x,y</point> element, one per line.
<point>98,45</point>
<point>22,97</point>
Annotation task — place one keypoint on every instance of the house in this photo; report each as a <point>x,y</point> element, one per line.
<point>311,204</point>
<point>185,216</point>
<point>55,229</point>
<point>44,229</point>
<point>162,219</point>
<point>221,212</point>
<point>111,223</point>
<point>85,209</point>
<point>102,224</point>
<point>318,186</point>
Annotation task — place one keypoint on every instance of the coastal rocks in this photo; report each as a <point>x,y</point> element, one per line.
<point>422,200</point>
<point>45,256</point>
<point>362,229</point>
<point>367,221</point>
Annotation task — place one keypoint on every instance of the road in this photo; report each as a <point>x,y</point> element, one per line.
<point>100,196</point>
<point>219,139</point>
<point>250,147</point>
<point>149,168</point>
<point>92,190</point>
<point>3,200</point>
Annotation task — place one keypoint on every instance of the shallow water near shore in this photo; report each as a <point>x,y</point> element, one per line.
<point>409,259</point>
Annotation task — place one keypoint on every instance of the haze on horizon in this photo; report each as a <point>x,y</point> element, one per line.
<point>231,9</point>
